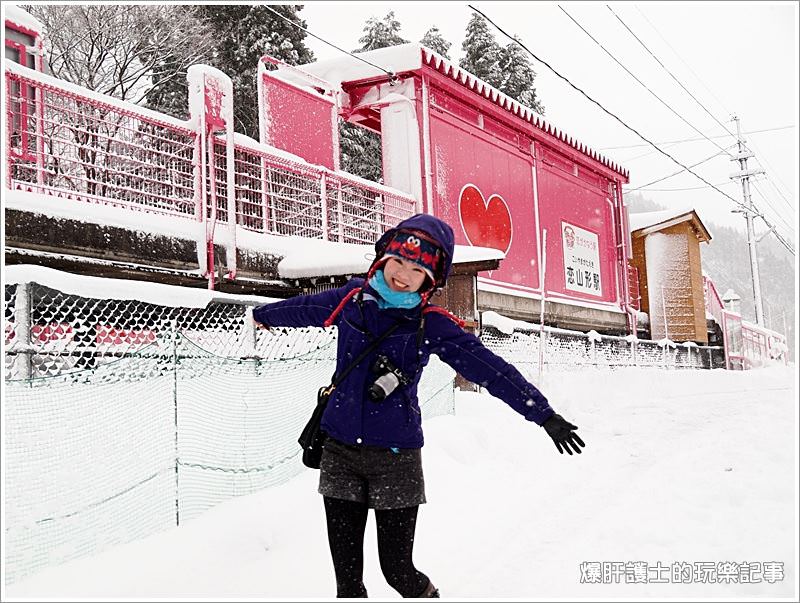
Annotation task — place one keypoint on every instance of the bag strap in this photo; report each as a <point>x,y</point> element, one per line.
<point>337,380</point>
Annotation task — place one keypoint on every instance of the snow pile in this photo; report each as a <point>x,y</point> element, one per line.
<point>504,324</point>
<point>680,466</point>
<point>53,206</point>
<point>95,287</point>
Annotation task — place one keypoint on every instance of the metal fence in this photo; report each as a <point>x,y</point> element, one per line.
<point>561,349</point>
<point>70,142</point>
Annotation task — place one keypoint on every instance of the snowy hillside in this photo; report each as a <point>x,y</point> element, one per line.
<point>680,467</point>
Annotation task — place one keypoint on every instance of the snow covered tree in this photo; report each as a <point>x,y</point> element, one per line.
<point>380,33</point>
<point>482,53</point>
<point>242,35</point>
<point>115,49</point>
<point>360,149</point>
<point>506,68</point>
<point>433,39</point>
<point>518,76</point>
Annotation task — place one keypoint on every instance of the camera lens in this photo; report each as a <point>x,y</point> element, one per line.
<point>383,386</point>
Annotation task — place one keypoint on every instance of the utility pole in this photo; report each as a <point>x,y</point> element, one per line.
<point>749,212</point>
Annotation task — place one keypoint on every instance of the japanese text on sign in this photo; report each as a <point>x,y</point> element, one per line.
<point>581,260</point>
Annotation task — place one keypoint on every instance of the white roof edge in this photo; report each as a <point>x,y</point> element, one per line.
<point>20,16</point>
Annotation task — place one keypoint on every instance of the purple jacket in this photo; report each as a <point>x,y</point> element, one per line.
<point>353,418</point>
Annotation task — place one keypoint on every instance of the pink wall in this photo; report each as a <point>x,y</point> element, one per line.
<point>567,200</point>
<point>299,121</point>
<point>483,186</point>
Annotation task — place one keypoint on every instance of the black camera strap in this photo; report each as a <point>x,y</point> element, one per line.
<point>367,351</point>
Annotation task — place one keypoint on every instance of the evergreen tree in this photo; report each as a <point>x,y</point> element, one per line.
<point>381,33</point>
<point>482,54</point>
<point>518,76</point>
<point>243,34</point>
<point>360,148</point>
<point>433,39</point>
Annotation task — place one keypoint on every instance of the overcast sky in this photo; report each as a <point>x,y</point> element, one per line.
<point>734,58</point>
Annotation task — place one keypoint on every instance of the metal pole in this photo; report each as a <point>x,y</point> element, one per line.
<point>22,326</point>
<point>542,334</point>
<point>174,337</point>
<point>749,213</point>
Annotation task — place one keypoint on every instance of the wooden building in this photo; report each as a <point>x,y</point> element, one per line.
<point>666,254</point>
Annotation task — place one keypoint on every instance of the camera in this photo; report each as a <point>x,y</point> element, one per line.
<point>388,379</point>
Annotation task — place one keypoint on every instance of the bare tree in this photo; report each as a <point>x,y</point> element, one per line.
<point>117,49</point>
<point>122,51</point>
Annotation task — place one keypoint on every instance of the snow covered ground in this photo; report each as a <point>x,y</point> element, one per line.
<point>680,466</point>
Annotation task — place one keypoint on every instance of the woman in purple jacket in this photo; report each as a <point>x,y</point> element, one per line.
<point>372,454</point>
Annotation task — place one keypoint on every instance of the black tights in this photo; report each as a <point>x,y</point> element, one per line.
<point>346,523</point>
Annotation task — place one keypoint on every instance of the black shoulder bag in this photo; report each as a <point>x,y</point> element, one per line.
<point>312,437</point>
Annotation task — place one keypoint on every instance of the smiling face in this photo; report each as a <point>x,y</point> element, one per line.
<point>402,275</point>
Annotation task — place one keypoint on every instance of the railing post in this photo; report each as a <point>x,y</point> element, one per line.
<point>208,90</point>
<point>39,99</point>
<point>22,320</point>
<point>266,217</point>
<point>249,336</point>
<point>323,197</point>
<point>339,211</point>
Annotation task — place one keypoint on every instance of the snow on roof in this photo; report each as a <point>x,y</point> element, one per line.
<point>302,257</point>
<point>654,218</point>
<point>411,57</point>
<point>347,68</point>
<point>23,18</point>
<point>96,287</point>
<point>308,258</point>
<point>651,218</point>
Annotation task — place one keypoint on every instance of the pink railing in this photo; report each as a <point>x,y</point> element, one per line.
<point>68,141</point>
<point>714,305</point>
<point>746,345</point>
<point>279,195</point>
<point>633,288</point>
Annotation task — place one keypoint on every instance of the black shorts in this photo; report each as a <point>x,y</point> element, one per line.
<point>378,477</point>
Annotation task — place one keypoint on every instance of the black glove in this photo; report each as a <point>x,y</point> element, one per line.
<point>561,430</point>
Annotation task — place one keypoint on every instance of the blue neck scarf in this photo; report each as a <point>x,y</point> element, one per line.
<point>389,298</point>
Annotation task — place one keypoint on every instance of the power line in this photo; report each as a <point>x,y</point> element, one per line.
<point>628,71</point>
<point>777,190</point>
<point>772,207</point>
<point>546,64</point>
<point>634,146</point>
<point>674,190</point>
<point>699,79</point>
<point>650,152</point>
<point>391,74</point>
<point>702,161</point>
<point>693,97</point>
<point>668,71</point>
